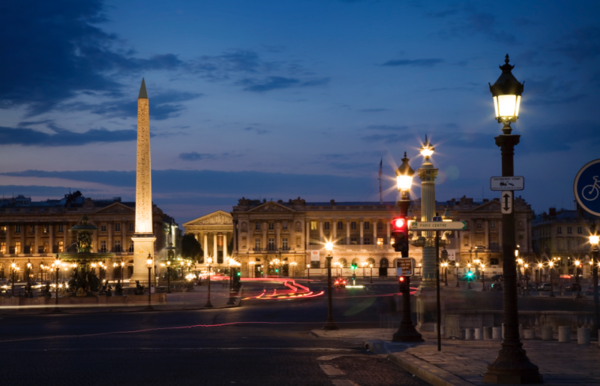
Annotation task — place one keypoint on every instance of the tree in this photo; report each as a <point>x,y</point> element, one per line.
<point>190,247</point>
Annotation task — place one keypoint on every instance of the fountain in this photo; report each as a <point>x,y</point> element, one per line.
<point>84,281</point>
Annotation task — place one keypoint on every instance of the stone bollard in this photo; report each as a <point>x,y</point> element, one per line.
<point>528,334</point>
<point>496,333</point>
<point>564,334</point>
<point>478,334</point>
<point>547,333</point>
<point>583,336</point>
<point>487,333</point>
<point>468,334</point>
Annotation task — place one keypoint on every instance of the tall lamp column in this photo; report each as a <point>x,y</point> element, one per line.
<point>406,331</point>
<point>512,364</point>
<point>208,303</point>
<point>594,239</point>
<point>330,324</point>
<point>149,262</point>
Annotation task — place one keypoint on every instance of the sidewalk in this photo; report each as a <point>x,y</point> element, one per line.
<point>463,362</point>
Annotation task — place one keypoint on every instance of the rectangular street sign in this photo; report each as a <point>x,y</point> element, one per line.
<point>507,183</point>
<point>437,226</point>
<point>406,266</point>
<point>506,202</point>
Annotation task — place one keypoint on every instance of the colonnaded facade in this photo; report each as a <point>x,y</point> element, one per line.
<point>34,232</point>
<point>214,232</point>
<point>287,238</point>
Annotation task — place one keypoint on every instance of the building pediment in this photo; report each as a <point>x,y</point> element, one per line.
<point>216,218</point>
<point>116,208</point>
<point>271,207</point>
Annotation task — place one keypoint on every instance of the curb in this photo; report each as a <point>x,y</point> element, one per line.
<point>426,371</point>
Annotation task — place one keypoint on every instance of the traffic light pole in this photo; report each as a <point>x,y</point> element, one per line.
<point>437,279</point>
<point>406,332</point>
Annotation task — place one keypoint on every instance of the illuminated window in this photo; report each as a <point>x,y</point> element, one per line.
<point>257,244</point>
<point>284,244</point>
<point>367,241</point>
<point>313,226</point>
<point>271,244</point>
<point>3,248</point>
<point>60,247</point>
<point>103,246</point>
<point>46,228</point>
<point>353,241</point>
<point>18,247</point>
<point>117,245</point>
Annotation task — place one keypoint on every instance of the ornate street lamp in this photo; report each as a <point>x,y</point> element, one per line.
<point>482,277</point>
<point>577,265</point>
<point>456,266</point>
<point>551,265</point>
<point>512,364</point>
<point>13,267</point>
<point>208,303</point>
<point>539,275</point>
<point>371,266</point>
<point>330,324</point>
<point>526,278</point>
<point>307,272</point>
<point>57,267</point>
<point>149,262</point>
<point>594,240</point>
<point>404,177</point>
<point>469,276</point>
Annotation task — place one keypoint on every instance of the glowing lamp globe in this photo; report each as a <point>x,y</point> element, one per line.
<point>404,175</point>
<point>594,239</point>
<point>506,93</point>
<point>329,246</point>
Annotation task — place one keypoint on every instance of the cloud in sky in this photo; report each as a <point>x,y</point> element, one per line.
<point>58,50</point>
<point>413,63</point>
<point>256,130</point>
<point>278,82</point>
<point>62,137</point>
<point>195,156</point>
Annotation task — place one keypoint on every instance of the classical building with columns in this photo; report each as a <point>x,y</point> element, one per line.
<point>290,235</point>
<point>36,231</point>
<point>214,232</point>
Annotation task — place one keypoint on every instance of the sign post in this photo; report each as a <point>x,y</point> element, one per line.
<point>507,183</point>
<point>406,266</point>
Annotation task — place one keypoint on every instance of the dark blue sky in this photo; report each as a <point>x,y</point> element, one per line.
<point>280,99</point>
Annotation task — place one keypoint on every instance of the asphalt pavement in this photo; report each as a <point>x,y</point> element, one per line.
<point>263,342</point>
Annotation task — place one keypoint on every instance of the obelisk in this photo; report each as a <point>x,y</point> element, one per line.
<point>143,240</point>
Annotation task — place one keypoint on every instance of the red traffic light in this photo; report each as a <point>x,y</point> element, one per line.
<point>399,224</point>
<point>401,278</point>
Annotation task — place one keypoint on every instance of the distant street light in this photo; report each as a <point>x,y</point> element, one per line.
<point>149,262</point>
<point>330,324</point>
<point>577,265</point>
<point>208,303</point>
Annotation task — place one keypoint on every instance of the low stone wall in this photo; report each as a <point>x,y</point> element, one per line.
<point>95,300</point>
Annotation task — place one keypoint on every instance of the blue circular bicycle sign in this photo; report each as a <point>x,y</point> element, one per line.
<point>587,187</point>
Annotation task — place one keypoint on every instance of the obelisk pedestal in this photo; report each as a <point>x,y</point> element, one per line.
<point>143,240</point>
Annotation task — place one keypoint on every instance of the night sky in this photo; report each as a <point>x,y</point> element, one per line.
<point>280,99</point>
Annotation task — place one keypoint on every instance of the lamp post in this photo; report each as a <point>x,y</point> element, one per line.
<point>594,239</point>
<point>482,277</point>
<point>13,267</point>
<point>371,266</point>
<point>28,273</point>
<point>208,303</point>
<point>149,262</point>
<point>168,264</point>
<point>551,265</point>
<point>539,276</point>
<point>307,272</point>
<point>364,264</point>
<point>512,364</point>
<point>293,264</point>
<point>526,278</point>
<point>57,267</point>
<point>330,324</point>
<point>456,266</point>
<point>577,265</point>
<point>231,296</point>
<point>406,331</point>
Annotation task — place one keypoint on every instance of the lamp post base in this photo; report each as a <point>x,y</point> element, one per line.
<point>330,325</point>
<point>407,333</point>
<point>208,304</point>
<point>512,367</point>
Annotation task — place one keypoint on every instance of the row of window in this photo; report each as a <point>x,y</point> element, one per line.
<point>314,225</point>
<point>59,248</point>
<point>46,228</point>
<point>569,230</point>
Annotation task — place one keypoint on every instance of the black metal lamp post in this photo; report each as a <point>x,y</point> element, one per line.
<point>168,263</point>
<point>526,278</point>
<point>456,266</point>
<point>551,264</point>
<point>13,267</point>
<point>445,265</point>
<point>330,324</point>
<point>208,303</point>
<point>149,262</point>
<point>406,331</point>
<point>577,265</point>
<point>469,276</point>
<point>482,277</point>
<point>57,266</point>
<point>371,266</point>
<point>512,364</point>
<point>594,239</point>
<point>307,272</point>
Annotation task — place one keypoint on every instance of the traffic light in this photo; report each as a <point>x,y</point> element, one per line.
<point>401,283</point>
<point>470,276</point>
<point>354,266</point>
<point>400,234</point>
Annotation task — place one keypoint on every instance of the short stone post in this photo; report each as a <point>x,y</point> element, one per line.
<point>478,334</point>
<point>487,333</point>
<point>547,332</point>
<point>496,333</point>
<point>529,334</point>
<point>469,334</point>
<point>583,336</point>
<point>564,334</point>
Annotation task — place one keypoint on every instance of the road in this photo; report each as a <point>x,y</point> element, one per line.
<point>260,343</point>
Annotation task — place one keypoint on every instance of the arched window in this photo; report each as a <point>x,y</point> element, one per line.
<point>343,262</point>
<point>384,263</point>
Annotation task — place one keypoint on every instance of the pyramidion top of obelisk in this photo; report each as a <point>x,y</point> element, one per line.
<point>143,93</point>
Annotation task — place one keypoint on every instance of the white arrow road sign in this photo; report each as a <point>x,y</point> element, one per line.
<point>506,202</point>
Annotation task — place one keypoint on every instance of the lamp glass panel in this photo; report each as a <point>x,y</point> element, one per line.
<point>404,182</point>
<point>594,239</point>
<point>507,105</point>
<point>518,106</point>
<point>426,152</point>
<point>496,106</point>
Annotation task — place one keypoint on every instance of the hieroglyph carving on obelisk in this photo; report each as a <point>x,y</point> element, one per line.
<point>143,241</point>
